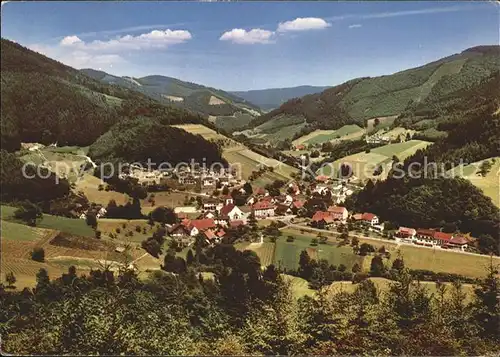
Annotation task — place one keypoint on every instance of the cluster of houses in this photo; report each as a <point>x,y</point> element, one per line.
<point>377,139</point>
<point>198,175</point>
<point>432,238</point>
<point>99,212</point>
<point>339,192</point>
<point>339,215</point>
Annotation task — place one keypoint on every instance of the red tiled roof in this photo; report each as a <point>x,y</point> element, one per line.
<point>443,236</point>
<point>459,240</point>
<point>357,216</point>
<point>337,209</point>
<point>203,224</point>
<point>426,232</point>
<point>322,216</point>
<point>177,227</point>
<point>262,205</point>
<point>298,204</point>
<point>236,223</point>
<point>321,178</point>
<point>408,231</point>
<point>221,233</point>
<point>186,222</point>
<point>224,211</point>
<point>209,234</point>
<point>368,216</point>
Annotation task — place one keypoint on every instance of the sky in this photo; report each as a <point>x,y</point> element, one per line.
<point>250,45</point>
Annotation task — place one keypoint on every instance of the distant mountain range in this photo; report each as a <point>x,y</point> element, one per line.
<point>272,98</point>
<point>422,97</point>
<point>195,97</point>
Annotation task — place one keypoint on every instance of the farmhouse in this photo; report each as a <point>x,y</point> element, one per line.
<point>445,240</point>
<point>322,219</point>
<point>338,213</point>
<point>406,234</point>
<point>263,209</point>
<point>369,218</point>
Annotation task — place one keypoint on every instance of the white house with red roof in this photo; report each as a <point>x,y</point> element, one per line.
<point>263,209</point>
<point>322,218</point>
<point>231,212</point>
<point>338,213</point>
<point>370,218</point>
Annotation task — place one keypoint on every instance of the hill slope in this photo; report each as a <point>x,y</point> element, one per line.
<point>272,98</point>
<point>192,96</point>
<point>46,101</point>
<point>409,91</point>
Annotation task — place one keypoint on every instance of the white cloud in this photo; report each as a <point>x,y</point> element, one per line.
<point>151,40</point>
<point>70,40</point>
<point>303,24</point>
<point>241,36</point>
<point>355,26</point>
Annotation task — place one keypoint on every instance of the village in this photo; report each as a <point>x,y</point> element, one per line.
<point>224,203</point>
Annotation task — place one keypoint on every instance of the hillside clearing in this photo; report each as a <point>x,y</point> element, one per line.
<point>489,184</point>
<point>347,132</point>
<point>363,164</point>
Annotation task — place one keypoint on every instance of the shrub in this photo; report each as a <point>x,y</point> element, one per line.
<point>38,254</point>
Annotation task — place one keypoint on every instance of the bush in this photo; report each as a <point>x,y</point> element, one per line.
<point>290,239</point>
<point>38,254</point>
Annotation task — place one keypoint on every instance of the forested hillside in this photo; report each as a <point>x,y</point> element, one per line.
<point>136,140</point>
<point>244,310</point>
<point>182,94</point>
<point>45,101</point>
<point>272,98</point>
<point>430,200</point>
<point>418,94</point>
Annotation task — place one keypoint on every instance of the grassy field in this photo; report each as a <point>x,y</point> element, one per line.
<point>489,184</point>
<point>321,136</point>
<point>20,232</point>
<point>89,186</point>
<point>384,122</point>
<point>109,226</point>
<point>265,251</point>
<point>288,253</point>
<point>69,225</point>
<point>300,287</point>
<point>383,285</point>
<point>439,260</point>
<point>363,164</point>
<point>247,161</point>
<point>207,133</point>
<point>164,198</point>
<point>234,122</point>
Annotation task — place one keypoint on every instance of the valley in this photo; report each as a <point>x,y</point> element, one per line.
<point>145,213</point>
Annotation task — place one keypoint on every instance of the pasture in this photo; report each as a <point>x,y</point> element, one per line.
<point>288,253</point>
<point>383,286</point>
<point>438,260</point>
<point>347,132</point>
<point>128,231</point>
<point>489,184</point>
<point>206,133</point>
<point>246,161</point>
<point>69,225</point>
<point>363,164</point>
<point>89,185</point>
<point>384,122</point>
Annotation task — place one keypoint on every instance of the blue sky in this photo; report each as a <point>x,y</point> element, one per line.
<point>250,45</point>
